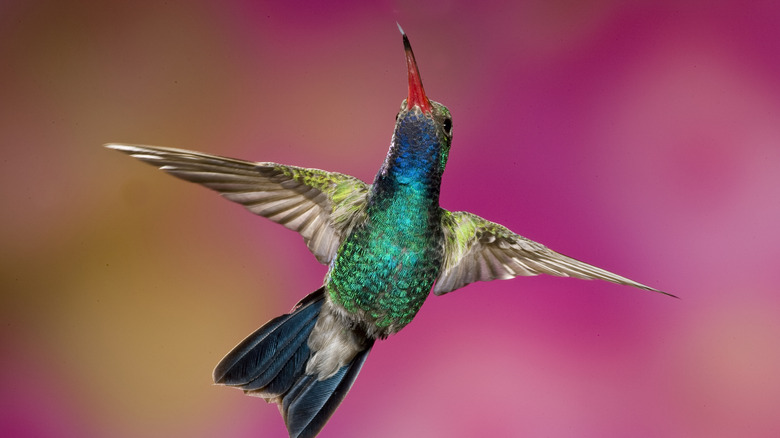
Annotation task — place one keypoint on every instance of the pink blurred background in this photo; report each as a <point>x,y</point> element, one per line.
<point>642,137</point>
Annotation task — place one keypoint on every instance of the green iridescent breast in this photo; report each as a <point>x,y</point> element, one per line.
<point>386,267</point>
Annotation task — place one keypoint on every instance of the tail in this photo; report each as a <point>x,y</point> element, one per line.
<point>271,363</point>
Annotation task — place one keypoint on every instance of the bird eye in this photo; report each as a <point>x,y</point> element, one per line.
<point>448,126</point>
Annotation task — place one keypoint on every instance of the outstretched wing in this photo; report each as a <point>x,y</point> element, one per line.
<point>321,206</point>
<point>479,250</point>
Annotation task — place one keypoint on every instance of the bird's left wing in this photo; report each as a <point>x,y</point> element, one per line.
<point>479,250</point>
<point>321,206</point>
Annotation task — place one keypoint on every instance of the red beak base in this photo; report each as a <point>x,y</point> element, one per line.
<point>416,92</point>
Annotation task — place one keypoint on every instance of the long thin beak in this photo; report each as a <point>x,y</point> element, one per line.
<point>416,92</point>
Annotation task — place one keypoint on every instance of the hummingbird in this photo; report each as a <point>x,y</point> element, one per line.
<point>387,245</point>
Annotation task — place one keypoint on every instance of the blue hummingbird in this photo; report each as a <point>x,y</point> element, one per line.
<point>387,245</point>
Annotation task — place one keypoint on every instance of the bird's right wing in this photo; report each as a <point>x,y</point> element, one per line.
<point>321,206</point>
<point>476,249</point>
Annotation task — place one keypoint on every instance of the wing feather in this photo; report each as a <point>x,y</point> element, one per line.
<point>479,250</point>
<point>321,206</point>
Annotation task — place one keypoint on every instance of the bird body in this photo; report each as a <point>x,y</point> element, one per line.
<point>387,245</point>
<point>387,265</point>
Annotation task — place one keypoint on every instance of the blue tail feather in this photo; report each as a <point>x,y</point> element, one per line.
<point>263,353</point>
<point>280,372</point>
<point>271,363</point>
<point>311,402</point>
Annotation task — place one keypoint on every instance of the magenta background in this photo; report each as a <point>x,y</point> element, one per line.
<point>639,136</point>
